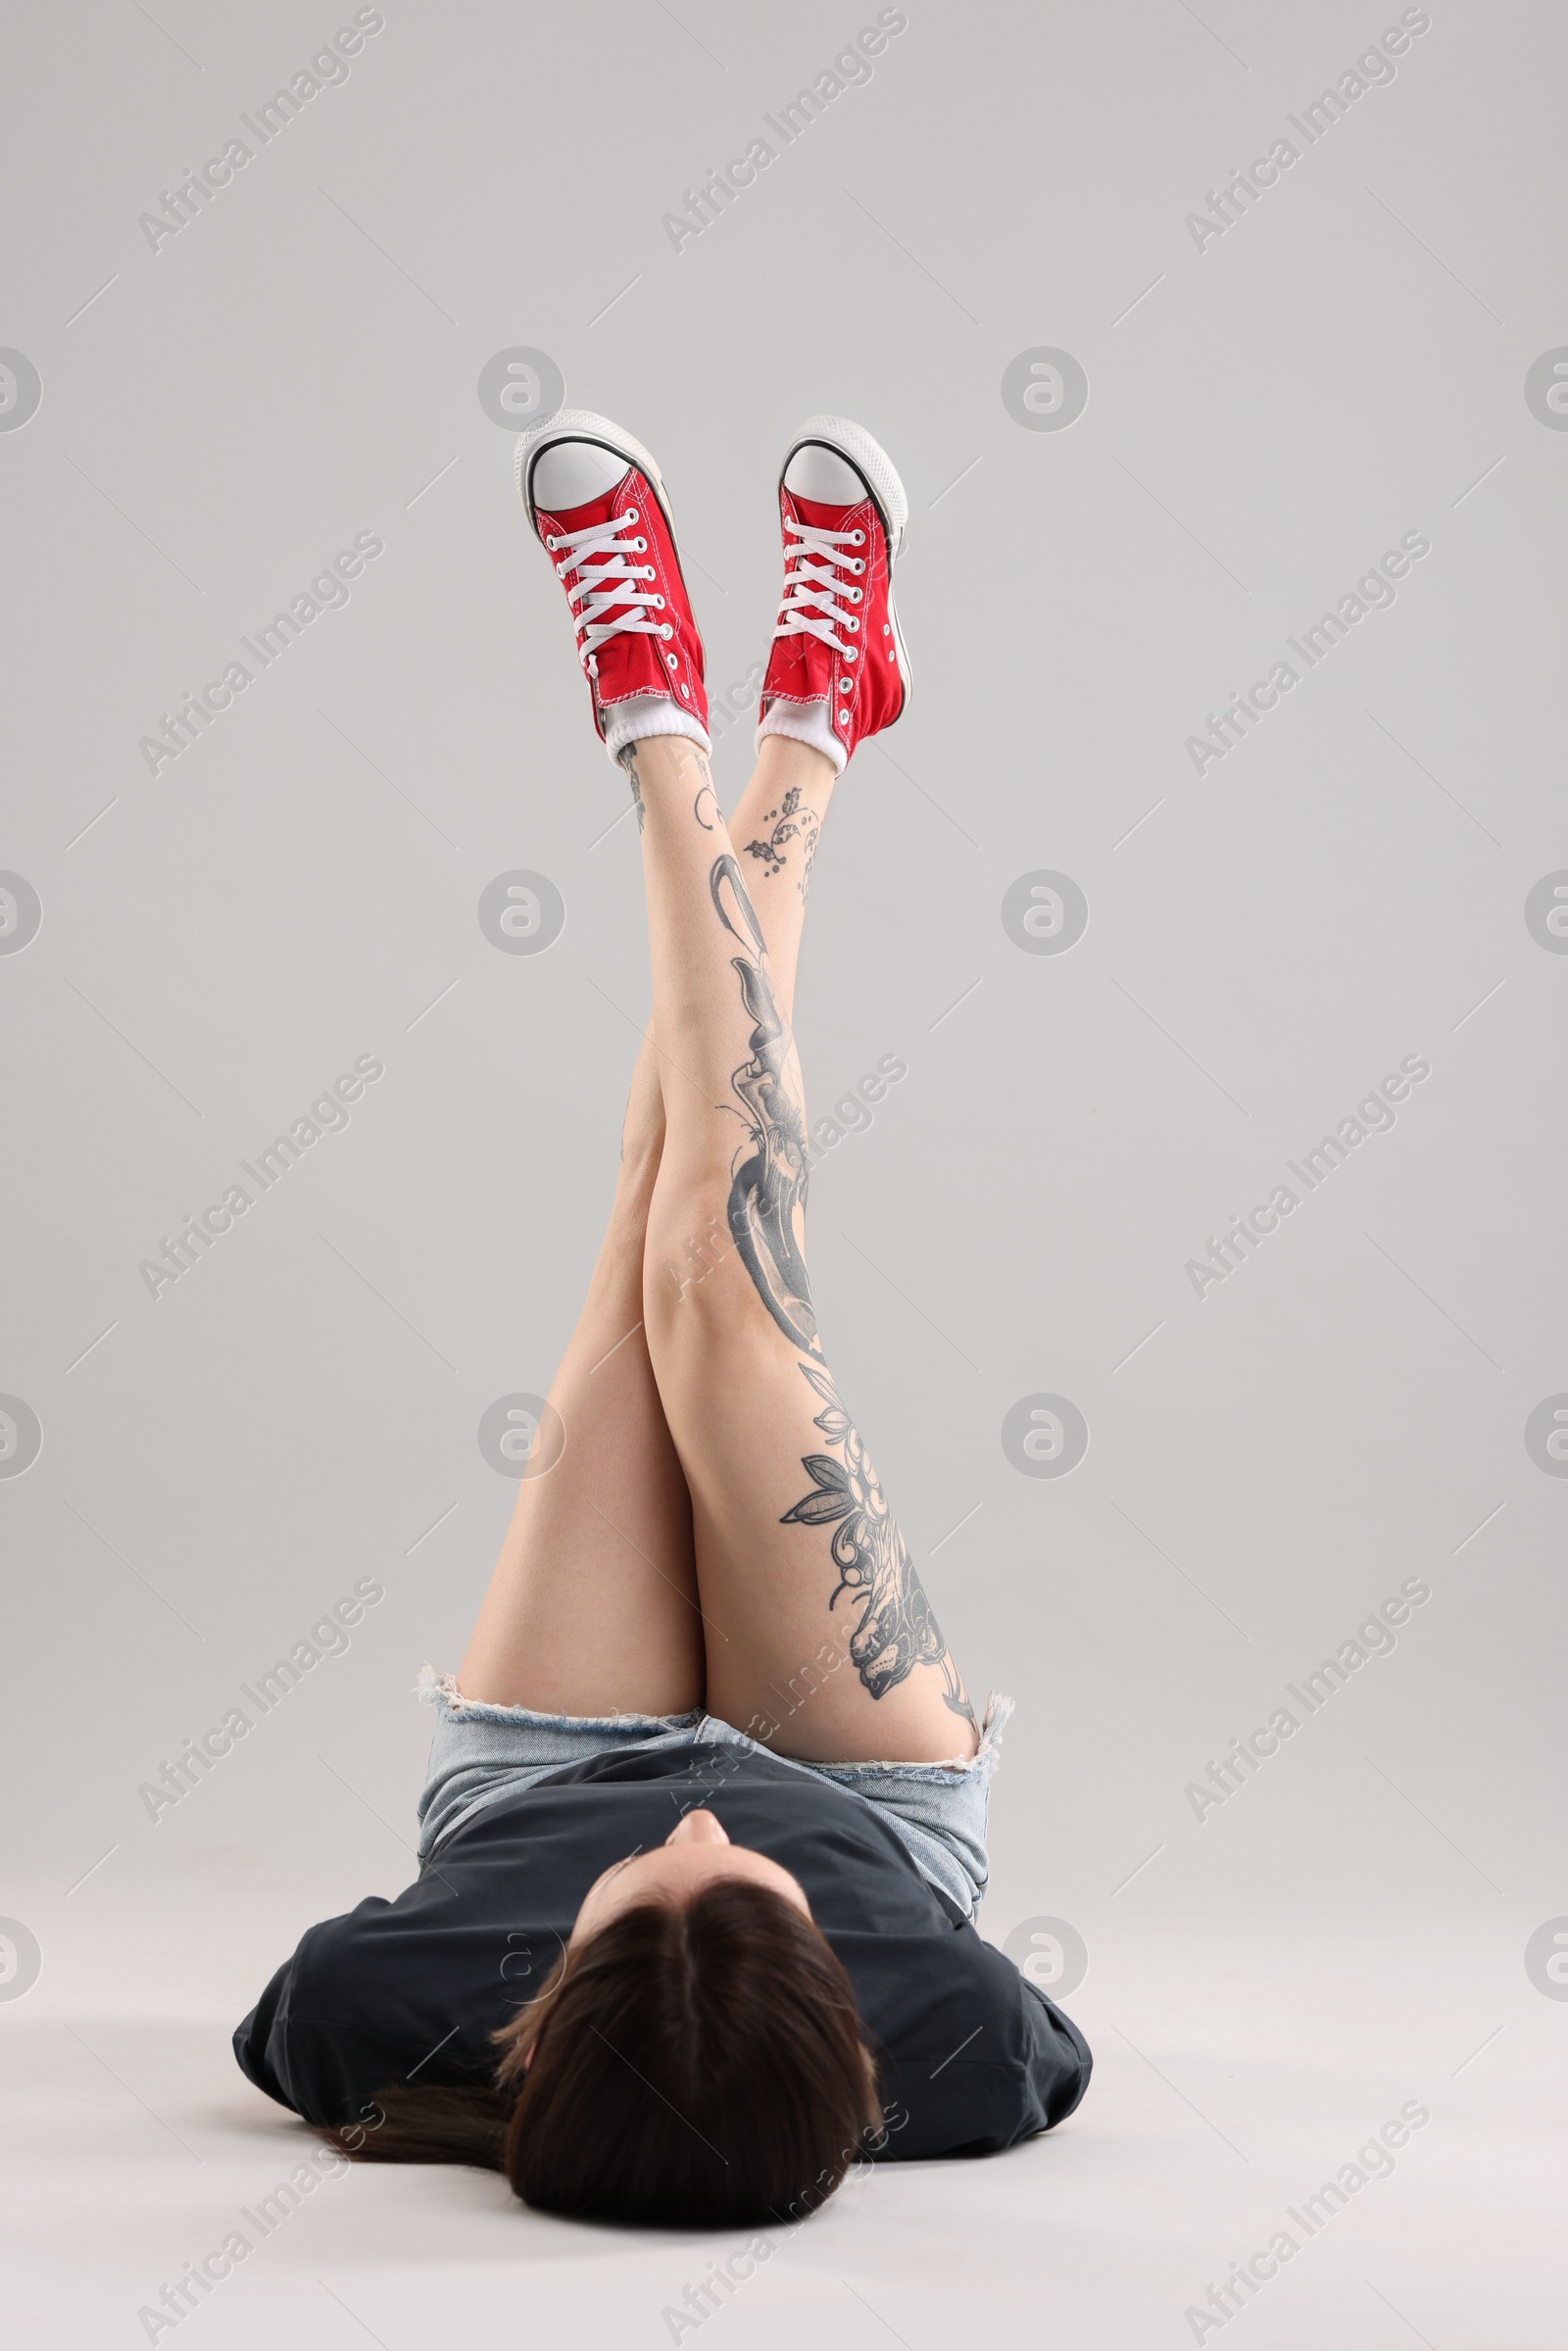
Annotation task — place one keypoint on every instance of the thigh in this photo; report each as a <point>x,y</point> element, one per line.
<point>593,1605</point>
<point>820,1640</point>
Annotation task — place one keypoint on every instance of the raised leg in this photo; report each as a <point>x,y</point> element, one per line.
<point>821,1639</point>
<point>774,831</point>
<point>593,1607</point>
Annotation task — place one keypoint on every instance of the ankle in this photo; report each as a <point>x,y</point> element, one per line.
<point>665,761</point>
<point>782,762</point>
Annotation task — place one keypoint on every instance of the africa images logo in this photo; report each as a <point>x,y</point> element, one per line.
<point>1373,70</point>
<point>194,1237</point>
<point>328,591</point>
<point>1373,592</point>
<point>1373,1115</point>
<point>327,69</point>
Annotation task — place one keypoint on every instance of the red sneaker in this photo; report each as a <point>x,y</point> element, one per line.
<point>596,499</point>
<point>838,669</point>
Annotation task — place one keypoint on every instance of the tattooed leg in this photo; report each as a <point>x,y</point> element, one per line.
<point>789,822</point>
<point>894,1628</point>
<point>775,829</point>
<point>831,1650</point>
<point>769,1184</point>
<point>791,787</point>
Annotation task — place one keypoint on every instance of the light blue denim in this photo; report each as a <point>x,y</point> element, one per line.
<point>482,1754</point>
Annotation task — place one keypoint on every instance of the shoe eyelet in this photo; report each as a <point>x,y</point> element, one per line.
<point>649,570</point>
<point>852,623</point>
<point>857,538</point>
<point>552,544</point>
<point>887,628</point>
<point>850,655</point>
<point>686,690</point>
<point>856,594</point>
<point>560,571</point>
<point>641,545</point>
<point>673,662</point>
<point>666,631</point>
<point>658,603</point>
<point>628,518</point>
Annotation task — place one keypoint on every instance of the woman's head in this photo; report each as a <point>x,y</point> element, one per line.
<point>696,2059</point>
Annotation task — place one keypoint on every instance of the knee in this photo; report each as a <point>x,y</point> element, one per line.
<point>697,1291</point>
<point>687,1243</point>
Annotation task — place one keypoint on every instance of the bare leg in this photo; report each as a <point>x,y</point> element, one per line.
<point>593,1605</point>
<point>829,1647</point>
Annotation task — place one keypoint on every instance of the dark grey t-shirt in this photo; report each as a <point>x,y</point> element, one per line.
<point>971,2057</point>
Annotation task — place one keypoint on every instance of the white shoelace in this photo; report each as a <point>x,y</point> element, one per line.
<point>813,595</point>
<point>608,587</point>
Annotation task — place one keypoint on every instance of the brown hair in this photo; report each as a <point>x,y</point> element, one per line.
<point>691,2067</point>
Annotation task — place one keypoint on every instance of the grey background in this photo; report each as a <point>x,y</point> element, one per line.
<point>301,885</point>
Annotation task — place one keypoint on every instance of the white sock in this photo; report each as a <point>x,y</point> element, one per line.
<point>804,722</point>
<point>644,715</point>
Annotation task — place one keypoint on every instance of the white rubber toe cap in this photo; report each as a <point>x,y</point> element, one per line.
<point>571,472</point>
<point>837,438</point>
<point>823,476</point>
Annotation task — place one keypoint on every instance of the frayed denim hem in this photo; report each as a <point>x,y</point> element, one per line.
<point>441,1690</point>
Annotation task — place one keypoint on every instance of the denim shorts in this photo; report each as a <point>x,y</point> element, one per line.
<point>482,1754</point>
